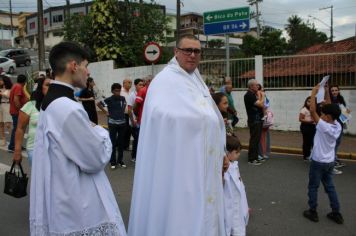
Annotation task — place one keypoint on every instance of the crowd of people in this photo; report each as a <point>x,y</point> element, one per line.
<point>185,148</point>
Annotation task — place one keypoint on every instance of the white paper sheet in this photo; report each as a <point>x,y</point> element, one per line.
<point>321,93</point>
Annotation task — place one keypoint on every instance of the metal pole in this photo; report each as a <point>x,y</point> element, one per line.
<point>178,22</point>
<point>227,46</point>
<point>331,27</point>
<point>152,65</point>
<point>41,47</point>
<point>12,26</point>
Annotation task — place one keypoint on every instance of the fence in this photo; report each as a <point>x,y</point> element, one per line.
<point>284,72</point>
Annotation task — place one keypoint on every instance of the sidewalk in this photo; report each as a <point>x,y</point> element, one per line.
<point>285,141</point>
<point>291,142</point>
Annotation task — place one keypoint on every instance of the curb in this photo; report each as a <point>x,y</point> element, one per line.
<point>298,151</point>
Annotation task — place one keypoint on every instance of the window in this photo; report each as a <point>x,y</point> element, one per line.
<point>57,18</point>
<point>32,25</point>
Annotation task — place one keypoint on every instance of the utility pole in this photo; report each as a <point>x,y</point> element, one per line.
<point>67,9</point>
<point>12,26</point>
<point>41,47</point>
<point>256,15</point>
<point>331,22</point>
<point>178,22</point>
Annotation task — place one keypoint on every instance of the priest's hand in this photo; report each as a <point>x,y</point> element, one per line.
<point>17,157</point>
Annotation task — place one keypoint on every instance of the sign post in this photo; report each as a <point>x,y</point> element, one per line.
<point>227,21</point>
<point>152,53</point>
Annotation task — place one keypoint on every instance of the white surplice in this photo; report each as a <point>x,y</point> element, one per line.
<point>235,200</point>
<point>178,177</point>
<point>70,192</point>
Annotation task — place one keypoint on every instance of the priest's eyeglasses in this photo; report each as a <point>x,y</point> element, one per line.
<point>189,51</point>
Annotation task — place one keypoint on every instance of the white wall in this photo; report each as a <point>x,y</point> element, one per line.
<point>104,74</point>
<point>285,104</point>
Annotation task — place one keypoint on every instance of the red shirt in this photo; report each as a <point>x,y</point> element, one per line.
<point>17,90</point>
<point>140,100</point>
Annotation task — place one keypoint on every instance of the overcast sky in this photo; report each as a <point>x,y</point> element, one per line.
<point>274,12</point>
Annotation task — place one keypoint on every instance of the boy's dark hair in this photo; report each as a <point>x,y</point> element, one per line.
<point>115,86</point>
<point>137,81</point>
<point>64,52</point>
<point>21,79</point>
<point>331,109</point>
<point>232,143</point>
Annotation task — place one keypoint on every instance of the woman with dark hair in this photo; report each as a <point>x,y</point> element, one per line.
<point>5,118</point>
<point>307,127</point>
<point>87,97</point>
<point>338,99</point>
<point>28,116</point>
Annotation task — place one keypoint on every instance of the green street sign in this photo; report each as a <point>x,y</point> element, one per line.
<point>227,15</point>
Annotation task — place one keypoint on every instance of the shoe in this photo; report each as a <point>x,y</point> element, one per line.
<point>336,217</point>
<point>133,160</point>
<point>339,164</point>
<point>336,171</point>
<point>261,158</point>
<point>122,164</point>
<point>113,167</point>
<point>255,162</point>
<point>10,150</point>
<point>311,215</point>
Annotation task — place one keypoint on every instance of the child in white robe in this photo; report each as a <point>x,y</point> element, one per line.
<point>235,200</point>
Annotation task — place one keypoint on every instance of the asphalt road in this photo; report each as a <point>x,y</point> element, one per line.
<point>276,192</point>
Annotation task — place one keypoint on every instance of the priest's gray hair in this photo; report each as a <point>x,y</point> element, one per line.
<point>251,82</point>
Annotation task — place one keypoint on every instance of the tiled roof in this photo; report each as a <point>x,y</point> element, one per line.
<point>313,64</point>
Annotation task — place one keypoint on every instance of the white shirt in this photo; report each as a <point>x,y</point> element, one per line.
<point>131,102</point>
<point>325,141</point>
<point>125,94</point>
<point>235,201</point>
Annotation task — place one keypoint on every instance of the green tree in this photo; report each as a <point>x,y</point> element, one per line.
<point>141,23</point>
<point>78,28</point>
<point>302,34</point>
<point>270,43</point>
<point>105,25</point>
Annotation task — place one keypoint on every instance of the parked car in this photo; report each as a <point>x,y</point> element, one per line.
<point>7,65</point>
<point>20,56</point>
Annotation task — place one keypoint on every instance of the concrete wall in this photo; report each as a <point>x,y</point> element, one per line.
<point>285,104</point>
<point>104,74</point>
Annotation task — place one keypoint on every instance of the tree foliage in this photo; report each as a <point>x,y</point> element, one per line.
<point>118,30</point>
<point>105,25</point>
<point>302,34</point>
<point>78,28</point>
<point>270,43</point>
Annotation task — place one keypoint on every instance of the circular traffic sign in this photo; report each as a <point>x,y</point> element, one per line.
<point>152,52</point>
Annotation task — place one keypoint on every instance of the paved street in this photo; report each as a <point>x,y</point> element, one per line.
<point>276,192</point>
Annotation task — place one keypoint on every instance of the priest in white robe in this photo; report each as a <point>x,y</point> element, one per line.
<point>178,177</point>
<point>70,192</point>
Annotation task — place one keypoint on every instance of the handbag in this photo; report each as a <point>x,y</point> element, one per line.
<point>16,185</point>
